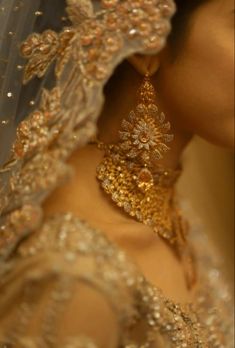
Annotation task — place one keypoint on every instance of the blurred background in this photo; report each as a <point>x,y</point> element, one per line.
<point>208,182</point>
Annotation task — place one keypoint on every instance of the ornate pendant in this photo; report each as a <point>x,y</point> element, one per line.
<point>130,174</point>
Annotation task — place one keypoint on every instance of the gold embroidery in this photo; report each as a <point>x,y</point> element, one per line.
<point>98,36</point>
<point>41,128</point>
<point>79,10</point>
<point>18,224</point>
<point>42,49</point>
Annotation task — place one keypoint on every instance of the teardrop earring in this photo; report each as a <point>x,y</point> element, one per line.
<point>131,175</point>
<point>131,164</point>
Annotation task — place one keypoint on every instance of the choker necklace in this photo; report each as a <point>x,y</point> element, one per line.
<point>132,178</point>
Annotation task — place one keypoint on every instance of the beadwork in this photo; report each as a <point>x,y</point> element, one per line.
<point>184,325</point>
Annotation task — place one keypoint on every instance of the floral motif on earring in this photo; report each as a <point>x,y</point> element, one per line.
<point>132,176</point>
<point>129,171</point>
<point>143,134</point>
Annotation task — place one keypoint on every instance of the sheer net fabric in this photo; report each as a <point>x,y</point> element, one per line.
<point>62,283</point>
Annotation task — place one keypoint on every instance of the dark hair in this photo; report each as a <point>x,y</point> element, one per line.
<point>180,22</point>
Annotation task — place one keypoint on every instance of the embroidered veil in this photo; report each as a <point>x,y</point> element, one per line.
<point>71,68</point>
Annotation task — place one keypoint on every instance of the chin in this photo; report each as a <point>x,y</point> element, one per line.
<point>225,141</point>
<point>222,136</point>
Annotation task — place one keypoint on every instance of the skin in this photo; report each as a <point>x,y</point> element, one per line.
<point>197,89</point>
<point>196,93</point>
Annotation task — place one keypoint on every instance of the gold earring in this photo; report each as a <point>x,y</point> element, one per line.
<point>130,174</point>
<point>129,171</point>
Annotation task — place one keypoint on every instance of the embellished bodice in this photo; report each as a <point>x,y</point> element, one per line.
<point>68,251</point>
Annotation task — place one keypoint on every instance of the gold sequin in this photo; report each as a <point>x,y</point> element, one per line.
<point>38,13</point>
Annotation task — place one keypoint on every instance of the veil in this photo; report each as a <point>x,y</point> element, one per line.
<point>55,58</point>
<point>18,19</point>
<point>15,23</point>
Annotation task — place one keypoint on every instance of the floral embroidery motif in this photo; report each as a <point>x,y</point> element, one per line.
<point>39,130</point>
<point>42,50</point>
<point>95,37</point>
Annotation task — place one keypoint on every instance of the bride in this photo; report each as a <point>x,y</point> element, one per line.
<point>96,248</point>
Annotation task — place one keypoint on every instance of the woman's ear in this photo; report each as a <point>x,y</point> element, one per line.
<point>145,63</point>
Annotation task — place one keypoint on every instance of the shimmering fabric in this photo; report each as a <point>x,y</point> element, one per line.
<point>51,267</point>
<point>42,281</point>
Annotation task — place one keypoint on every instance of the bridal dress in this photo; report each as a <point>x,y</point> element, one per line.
<point>59,278</point>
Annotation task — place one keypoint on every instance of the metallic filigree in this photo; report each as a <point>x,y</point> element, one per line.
<point>143,134</point>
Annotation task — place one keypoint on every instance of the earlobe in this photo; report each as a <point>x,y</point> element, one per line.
<point>145,63</point>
